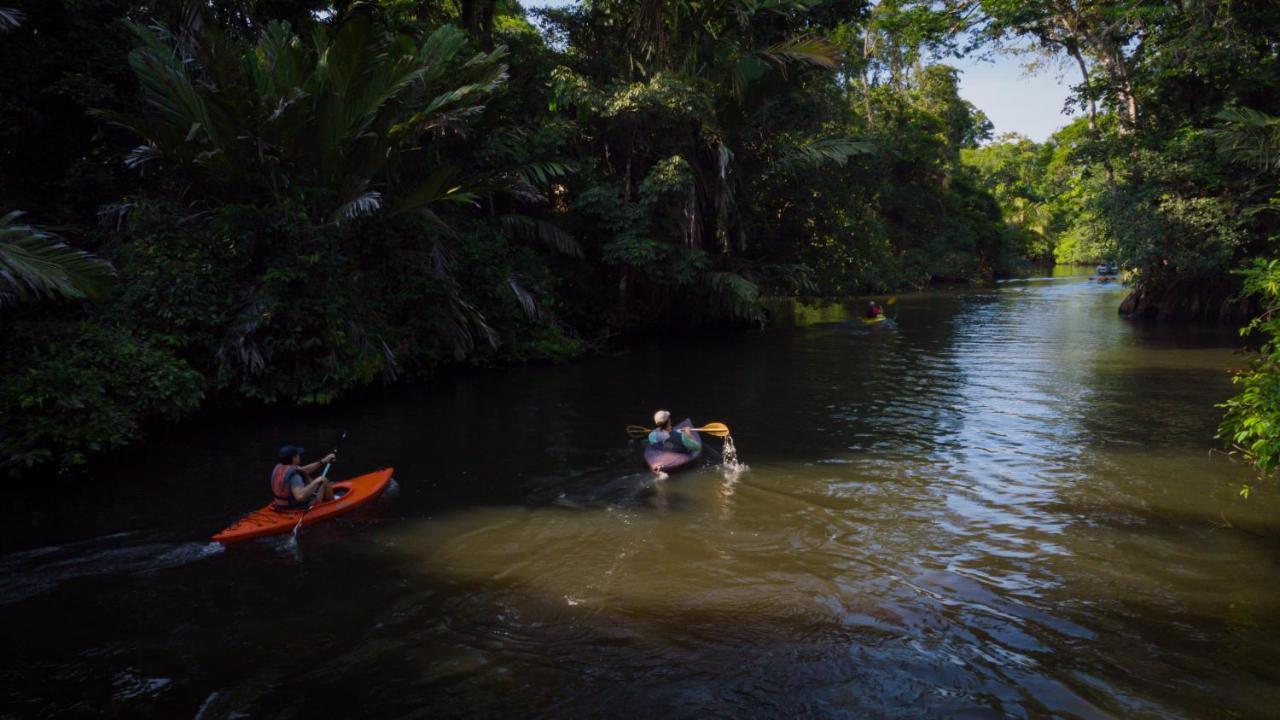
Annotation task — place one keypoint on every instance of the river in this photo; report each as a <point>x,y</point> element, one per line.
<point>1002,503</point>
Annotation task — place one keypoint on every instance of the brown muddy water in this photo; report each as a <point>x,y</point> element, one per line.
<point>1002,504</point>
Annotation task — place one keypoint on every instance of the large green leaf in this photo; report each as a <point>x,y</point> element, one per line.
<point>36,265</point>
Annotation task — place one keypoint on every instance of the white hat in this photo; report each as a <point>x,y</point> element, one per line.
<point>662,417</point>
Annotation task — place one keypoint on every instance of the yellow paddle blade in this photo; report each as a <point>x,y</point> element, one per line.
<point>717,429</point>
<point>891,300</point>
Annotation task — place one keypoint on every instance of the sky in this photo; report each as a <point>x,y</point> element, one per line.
<point>1014,102</point>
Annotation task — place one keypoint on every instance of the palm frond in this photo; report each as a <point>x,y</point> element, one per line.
<point>366,203</point>
<point>810,50</point>
<point>1249,136</point>
<point>442,185</point>
<point>168,87</point>
<point>10,18</point>
<point>138,157</point>
<point>540,173</point>
<point>530,229</point>
<point>815,153</point>
<point>463,321</point>
<point>735,297</point>
<point>528,303</point>
<point>36,265</point>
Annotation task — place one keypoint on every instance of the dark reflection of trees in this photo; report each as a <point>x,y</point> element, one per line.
<point>824,390</point>
<point>1156,407</point>
<point>1158,384</point>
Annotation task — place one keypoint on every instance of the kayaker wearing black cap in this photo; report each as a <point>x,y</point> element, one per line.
<point>289,480</point>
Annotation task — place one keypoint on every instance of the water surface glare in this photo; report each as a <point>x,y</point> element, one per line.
<point>1000,504</point>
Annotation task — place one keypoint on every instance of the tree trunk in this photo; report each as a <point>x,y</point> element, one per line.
<point>691,226</point>
<point>1100,40</point>
<point>1084,73</point>
<point>1074,50</point>
<point>866,79</point>
<point>1117,66</point>
<point>477,19</point>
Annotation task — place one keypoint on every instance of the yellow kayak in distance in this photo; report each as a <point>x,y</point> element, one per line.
<point>874,320</point>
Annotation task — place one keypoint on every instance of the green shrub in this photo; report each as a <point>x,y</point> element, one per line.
<point>184,275</point>
<point>1251,424</point>
<point>70,389</point>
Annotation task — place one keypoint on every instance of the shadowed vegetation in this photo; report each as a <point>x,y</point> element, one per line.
<point>302,198</point>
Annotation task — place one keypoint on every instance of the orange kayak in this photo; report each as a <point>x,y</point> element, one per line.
<point>351,494</point>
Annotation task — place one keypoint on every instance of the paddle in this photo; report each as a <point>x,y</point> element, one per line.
<point>717,429</point>
<point>313,503</point>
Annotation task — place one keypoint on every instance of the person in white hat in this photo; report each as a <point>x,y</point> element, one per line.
<point>664,437</point>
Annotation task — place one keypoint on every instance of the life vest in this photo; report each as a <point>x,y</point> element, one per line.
<point>280,487</point>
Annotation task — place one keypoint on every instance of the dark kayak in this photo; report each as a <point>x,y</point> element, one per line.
<point>671,461</point>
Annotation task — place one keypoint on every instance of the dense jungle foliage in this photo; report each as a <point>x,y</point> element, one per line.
<point>285,200</point>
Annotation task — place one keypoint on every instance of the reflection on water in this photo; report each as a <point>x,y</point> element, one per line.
<point>1002,504</point>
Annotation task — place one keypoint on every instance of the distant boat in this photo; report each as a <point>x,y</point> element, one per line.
<point>1105,269</point>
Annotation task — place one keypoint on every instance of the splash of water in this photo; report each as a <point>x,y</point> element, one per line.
<point>729,464</point>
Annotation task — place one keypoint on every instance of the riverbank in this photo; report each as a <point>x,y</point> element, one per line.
<point>83,382</point>
<point>78,395</point>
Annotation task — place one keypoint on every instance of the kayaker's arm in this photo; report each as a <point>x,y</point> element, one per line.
<point>311,469</point>
<point>691,443</point>
<point>308,491</point>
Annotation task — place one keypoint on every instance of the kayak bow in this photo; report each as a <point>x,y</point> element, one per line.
<point>350,495</point>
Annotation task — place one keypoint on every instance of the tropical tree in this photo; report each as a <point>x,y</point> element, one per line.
<point>341,122</point>
<point>677,122</point>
